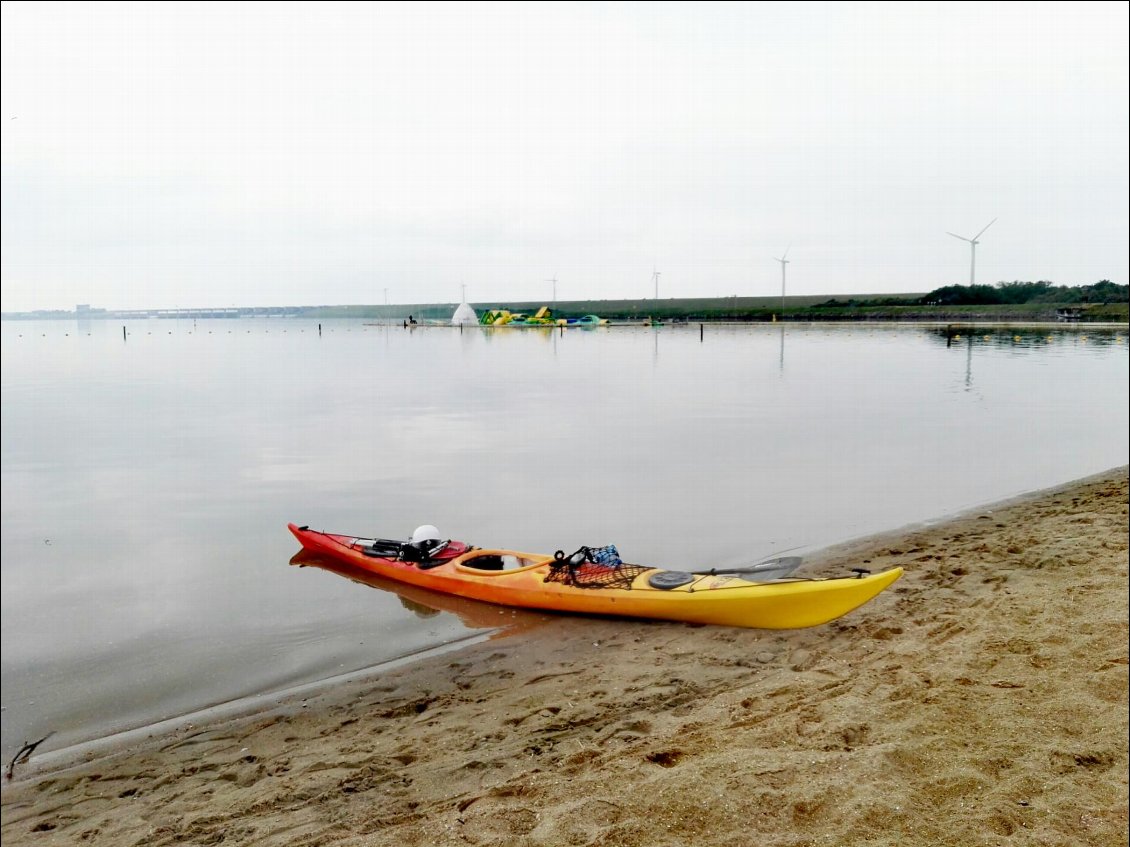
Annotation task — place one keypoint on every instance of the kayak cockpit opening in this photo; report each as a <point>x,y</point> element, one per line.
<point>500,560</point>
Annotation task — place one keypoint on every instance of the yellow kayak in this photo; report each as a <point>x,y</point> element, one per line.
<point>573,584</point>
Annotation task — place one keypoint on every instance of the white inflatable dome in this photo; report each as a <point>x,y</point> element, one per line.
<point>464,315</point>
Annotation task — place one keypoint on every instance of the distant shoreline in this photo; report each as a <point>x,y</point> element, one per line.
<point>801,309</point>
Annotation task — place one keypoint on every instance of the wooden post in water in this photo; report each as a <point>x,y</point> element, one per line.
<point>700,333</point>
<point>123,333</point>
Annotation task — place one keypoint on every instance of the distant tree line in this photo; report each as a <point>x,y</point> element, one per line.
<point>1015,293</point>
<point>1001,294</point>
<point>868,302</point>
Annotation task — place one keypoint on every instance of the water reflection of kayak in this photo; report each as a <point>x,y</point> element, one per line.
<point>577,584</point>
<point>423,602</point>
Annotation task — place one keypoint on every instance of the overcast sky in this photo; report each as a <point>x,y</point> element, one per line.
<point>214,154</point>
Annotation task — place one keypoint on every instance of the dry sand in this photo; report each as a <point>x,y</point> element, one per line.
<point>981,700</point>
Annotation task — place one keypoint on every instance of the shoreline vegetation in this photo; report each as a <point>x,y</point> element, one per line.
<point>1014,302</point>
<point>983,698</point>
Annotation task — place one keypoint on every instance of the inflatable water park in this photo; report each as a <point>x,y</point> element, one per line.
<point>542,317</point>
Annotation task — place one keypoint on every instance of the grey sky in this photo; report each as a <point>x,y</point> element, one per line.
<point>213,154</point>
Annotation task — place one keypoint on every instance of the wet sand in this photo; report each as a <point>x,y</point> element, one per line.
<point>981,700</point>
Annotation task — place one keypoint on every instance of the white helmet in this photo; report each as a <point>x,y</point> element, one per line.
<point>427,532</point>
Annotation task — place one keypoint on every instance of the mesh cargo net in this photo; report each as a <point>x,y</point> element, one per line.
<point>591,575</point>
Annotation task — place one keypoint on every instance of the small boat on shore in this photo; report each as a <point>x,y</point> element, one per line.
<point>596,581</point>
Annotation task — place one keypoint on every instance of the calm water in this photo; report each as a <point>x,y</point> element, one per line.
<point>147,481</point>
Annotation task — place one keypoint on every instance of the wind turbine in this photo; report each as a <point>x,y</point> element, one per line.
<point>973,247</point>
<point>655,279</point>
<point>554,281</point>
<point>783,262</point>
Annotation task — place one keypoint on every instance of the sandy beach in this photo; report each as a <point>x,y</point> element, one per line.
<point>981,700</point>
